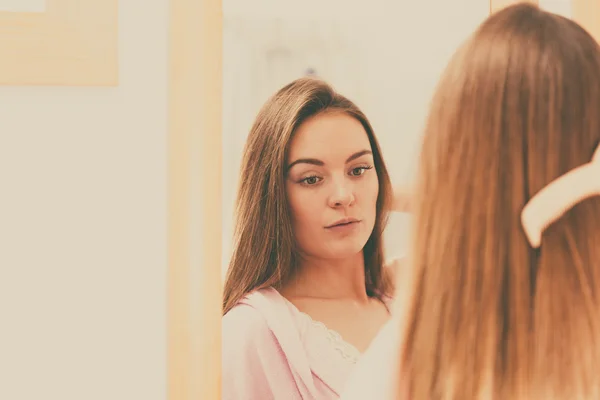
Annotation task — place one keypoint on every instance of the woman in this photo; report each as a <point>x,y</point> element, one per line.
<point>505,301</point>
<point>306,289</point>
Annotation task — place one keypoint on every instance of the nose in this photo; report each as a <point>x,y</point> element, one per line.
<point>342,194</point>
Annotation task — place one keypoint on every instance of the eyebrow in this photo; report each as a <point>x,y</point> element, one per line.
<point>314,161</point>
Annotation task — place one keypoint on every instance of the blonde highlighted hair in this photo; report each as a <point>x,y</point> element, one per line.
<point>488,316</point>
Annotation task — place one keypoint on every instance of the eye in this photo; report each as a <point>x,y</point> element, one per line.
<point>358,171</point>
<point>311,180</point>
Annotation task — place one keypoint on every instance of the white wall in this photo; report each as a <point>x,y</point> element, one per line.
<point>385,55</point>
<point>83,228</point>
<point>560,7</point>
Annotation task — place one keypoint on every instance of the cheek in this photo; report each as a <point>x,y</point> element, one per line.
<point>369,191</point>
<point>299,212</point>
<point>303,208</point>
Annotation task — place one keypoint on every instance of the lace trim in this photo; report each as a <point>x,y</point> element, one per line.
<point>346,350</point>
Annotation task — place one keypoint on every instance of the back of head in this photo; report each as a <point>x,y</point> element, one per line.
<point>265,252</point>
<point>490,317</point>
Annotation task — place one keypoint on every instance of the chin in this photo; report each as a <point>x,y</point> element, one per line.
<point>344,249</point>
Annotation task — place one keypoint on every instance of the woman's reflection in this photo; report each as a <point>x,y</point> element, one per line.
<point>307,289</point>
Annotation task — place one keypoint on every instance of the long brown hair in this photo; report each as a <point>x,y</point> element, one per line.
<point>264,246</point>
<point>489,316</point>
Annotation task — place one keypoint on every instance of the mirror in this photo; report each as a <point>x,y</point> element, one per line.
<point>386,58</point>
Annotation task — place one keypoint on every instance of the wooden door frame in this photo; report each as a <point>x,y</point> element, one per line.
<point>194,200</point>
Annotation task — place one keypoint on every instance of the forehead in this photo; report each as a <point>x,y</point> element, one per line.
<point>326,135</point>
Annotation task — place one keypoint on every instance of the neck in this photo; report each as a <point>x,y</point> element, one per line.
<point>330,279</point>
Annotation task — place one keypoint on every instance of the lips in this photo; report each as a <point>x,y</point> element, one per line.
<point>343,222</point>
